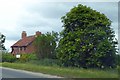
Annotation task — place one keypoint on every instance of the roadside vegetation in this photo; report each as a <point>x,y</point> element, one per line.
<point>53,67</point>
<point>7,57</point>
<point>85,48</point>
<point>63,71</point>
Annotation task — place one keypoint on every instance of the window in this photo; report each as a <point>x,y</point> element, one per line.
<point>24,48</point>
<point>20,48</point>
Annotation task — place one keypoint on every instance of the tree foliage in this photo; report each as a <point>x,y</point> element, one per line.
<point>87,39</point>
<point>2,40</point>
<point>45,45</point>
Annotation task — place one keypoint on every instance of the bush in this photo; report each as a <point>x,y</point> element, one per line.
<point>118,59</point>
<point>119,71</point>
<point>46,62</point>
<point>7,57</point>
<point>27,57</point>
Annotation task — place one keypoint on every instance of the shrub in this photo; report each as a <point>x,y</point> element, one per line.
<point>118,59</point>
<point>46,62</point>
<point>119,71</point>
<point>7,57</point>
<point>27,57</point>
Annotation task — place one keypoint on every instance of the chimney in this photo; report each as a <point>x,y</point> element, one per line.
<point>38,33</point>
<point>24,34</point>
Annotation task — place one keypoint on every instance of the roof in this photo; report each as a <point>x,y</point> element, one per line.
<point>24,41</point>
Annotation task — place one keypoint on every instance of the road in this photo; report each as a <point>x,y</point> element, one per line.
<point>14,73</point>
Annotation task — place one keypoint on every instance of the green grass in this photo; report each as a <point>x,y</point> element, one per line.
<point>64,72</point>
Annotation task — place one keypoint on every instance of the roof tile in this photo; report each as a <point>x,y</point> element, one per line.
<point>24,41</point>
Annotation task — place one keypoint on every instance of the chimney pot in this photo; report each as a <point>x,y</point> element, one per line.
<point>38,33</point>
<point>24,34</point>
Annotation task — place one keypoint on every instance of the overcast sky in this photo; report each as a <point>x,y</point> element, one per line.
<point>33,15</point>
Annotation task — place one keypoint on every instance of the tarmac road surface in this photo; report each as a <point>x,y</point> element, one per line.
<point>14,73</point>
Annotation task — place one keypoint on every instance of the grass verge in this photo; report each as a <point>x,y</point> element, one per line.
<point>64,72</point>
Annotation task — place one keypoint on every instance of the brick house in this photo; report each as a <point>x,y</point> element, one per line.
<point>25,44</point>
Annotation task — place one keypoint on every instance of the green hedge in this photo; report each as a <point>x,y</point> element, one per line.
<point>27,57</point>
<point>119,71</point>
<point>7,57</point>
<point>46,62</point>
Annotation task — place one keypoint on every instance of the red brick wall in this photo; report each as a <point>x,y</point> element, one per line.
<point>30,49</point>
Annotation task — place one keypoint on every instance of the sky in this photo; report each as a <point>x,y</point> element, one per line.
<point>44,16</point>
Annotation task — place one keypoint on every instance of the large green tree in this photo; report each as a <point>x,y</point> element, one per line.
<point>2,40</point>
<point>45,45</point>
<point>87,39</point>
